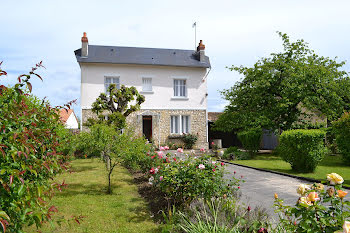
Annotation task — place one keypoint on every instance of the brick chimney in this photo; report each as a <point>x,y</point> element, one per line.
<point>84,46</point>
<point>201,51</point>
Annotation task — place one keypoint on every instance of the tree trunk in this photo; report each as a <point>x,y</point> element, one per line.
<point>109,190</point>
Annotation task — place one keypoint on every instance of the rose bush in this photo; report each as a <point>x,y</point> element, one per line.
<point>317,209</point>
<point>183,180</point>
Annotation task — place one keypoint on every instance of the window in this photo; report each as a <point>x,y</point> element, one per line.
<point>180,87</point>
<point>146,84</point>
<point>180,124</point>
<point>110,80</point>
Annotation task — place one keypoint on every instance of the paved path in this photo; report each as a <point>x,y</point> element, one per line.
<point>259,187</point>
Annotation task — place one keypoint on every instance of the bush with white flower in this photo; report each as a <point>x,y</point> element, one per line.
<point>183,180</point>
<point>317,209</point>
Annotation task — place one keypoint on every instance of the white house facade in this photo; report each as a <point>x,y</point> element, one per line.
<point>174,83</point>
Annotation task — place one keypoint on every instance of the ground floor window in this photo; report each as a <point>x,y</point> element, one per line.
<point>180,124</point>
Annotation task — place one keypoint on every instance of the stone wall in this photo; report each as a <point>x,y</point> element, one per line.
<point>161,124</point>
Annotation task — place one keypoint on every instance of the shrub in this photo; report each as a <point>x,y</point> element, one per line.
<point>183,180</point>
<point>341,130</point>
<point>317,209</point>
<point>250,140</point>
<point>189,140</point>
<point>302,148</point>
<point>30,155</point>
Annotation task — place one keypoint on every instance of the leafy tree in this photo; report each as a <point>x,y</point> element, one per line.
<point>113,109</point>
<point>275,92</point>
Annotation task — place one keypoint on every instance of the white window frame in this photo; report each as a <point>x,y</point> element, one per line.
<point>177,93</point>
<point>145,90</point>
<point>179,124</point>
<point>112,77</point>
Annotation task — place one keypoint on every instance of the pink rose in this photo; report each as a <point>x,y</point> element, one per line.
<point>201,166</point>
<point>161,148</point>
<point>202,150</point>
<point>160,153</point>
<point>180,150</point>
<point>166,148</point>
<point>161,178</point>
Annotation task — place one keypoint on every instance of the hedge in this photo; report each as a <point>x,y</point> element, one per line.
<point>341,129</point>
<point>302,148</point>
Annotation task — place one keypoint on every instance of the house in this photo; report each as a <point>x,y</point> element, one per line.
<point>69,119</point>
<point>173,81</point>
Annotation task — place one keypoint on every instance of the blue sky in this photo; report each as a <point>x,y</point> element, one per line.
<point>234,32</point>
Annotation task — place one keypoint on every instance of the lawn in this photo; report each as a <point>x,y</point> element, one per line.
<point>123,211</point>
<point>274,162</point>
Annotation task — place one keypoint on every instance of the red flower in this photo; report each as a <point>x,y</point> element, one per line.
<point>213,170</point>
<point>238,187</point>
<point>249,208</point>
<point>174,159</point>
<point>234,172</point>
<point>222,164</point>
<point>152,171</point>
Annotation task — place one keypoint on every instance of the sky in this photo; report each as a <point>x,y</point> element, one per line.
<point>236,32</point>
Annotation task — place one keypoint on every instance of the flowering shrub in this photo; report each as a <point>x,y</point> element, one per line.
<point>317,209</point>
<point>183,180</point>
<point>30,155</point>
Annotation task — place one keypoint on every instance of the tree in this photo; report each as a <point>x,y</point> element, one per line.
<point>113,109</point>
<point>275,92</point>
<point>115,148</point>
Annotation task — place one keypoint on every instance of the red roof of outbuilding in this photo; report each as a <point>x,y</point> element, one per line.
<point>64,114</point>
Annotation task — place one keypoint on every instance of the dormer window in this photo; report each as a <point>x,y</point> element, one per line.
<point>180,88</point>
<point>111,80</point>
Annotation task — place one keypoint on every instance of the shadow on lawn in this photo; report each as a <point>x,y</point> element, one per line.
<point>74,189</point>
<point>84,168</point>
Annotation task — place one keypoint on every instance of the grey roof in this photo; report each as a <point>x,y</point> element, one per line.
<point>142,56</point>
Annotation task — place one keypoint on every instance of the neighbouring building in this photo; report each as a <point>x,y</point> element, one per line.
<point>69,119</point>
<point>173,81</point>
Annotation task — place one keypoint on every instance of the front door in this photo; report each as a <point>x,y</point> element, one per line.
<point>147,127</point>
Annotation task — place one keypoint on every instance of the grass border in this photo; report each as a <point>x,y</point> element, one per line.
<point>279,173</point>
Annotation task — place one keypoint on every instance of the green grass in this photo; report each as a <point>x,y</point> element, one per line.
<point>274,162</point>
<point>122,211</point>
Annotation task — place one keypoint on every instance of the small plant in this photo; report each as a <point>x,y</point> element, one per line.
<point>317,209</point>
<point>189,140</point>
<point>222,215</point>
<point>302,148</point>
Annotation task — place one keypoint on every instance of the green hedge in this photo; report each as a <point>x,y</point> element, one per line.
<point>250,140</point>
<point>302,148</point>
<point>341,129</point>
